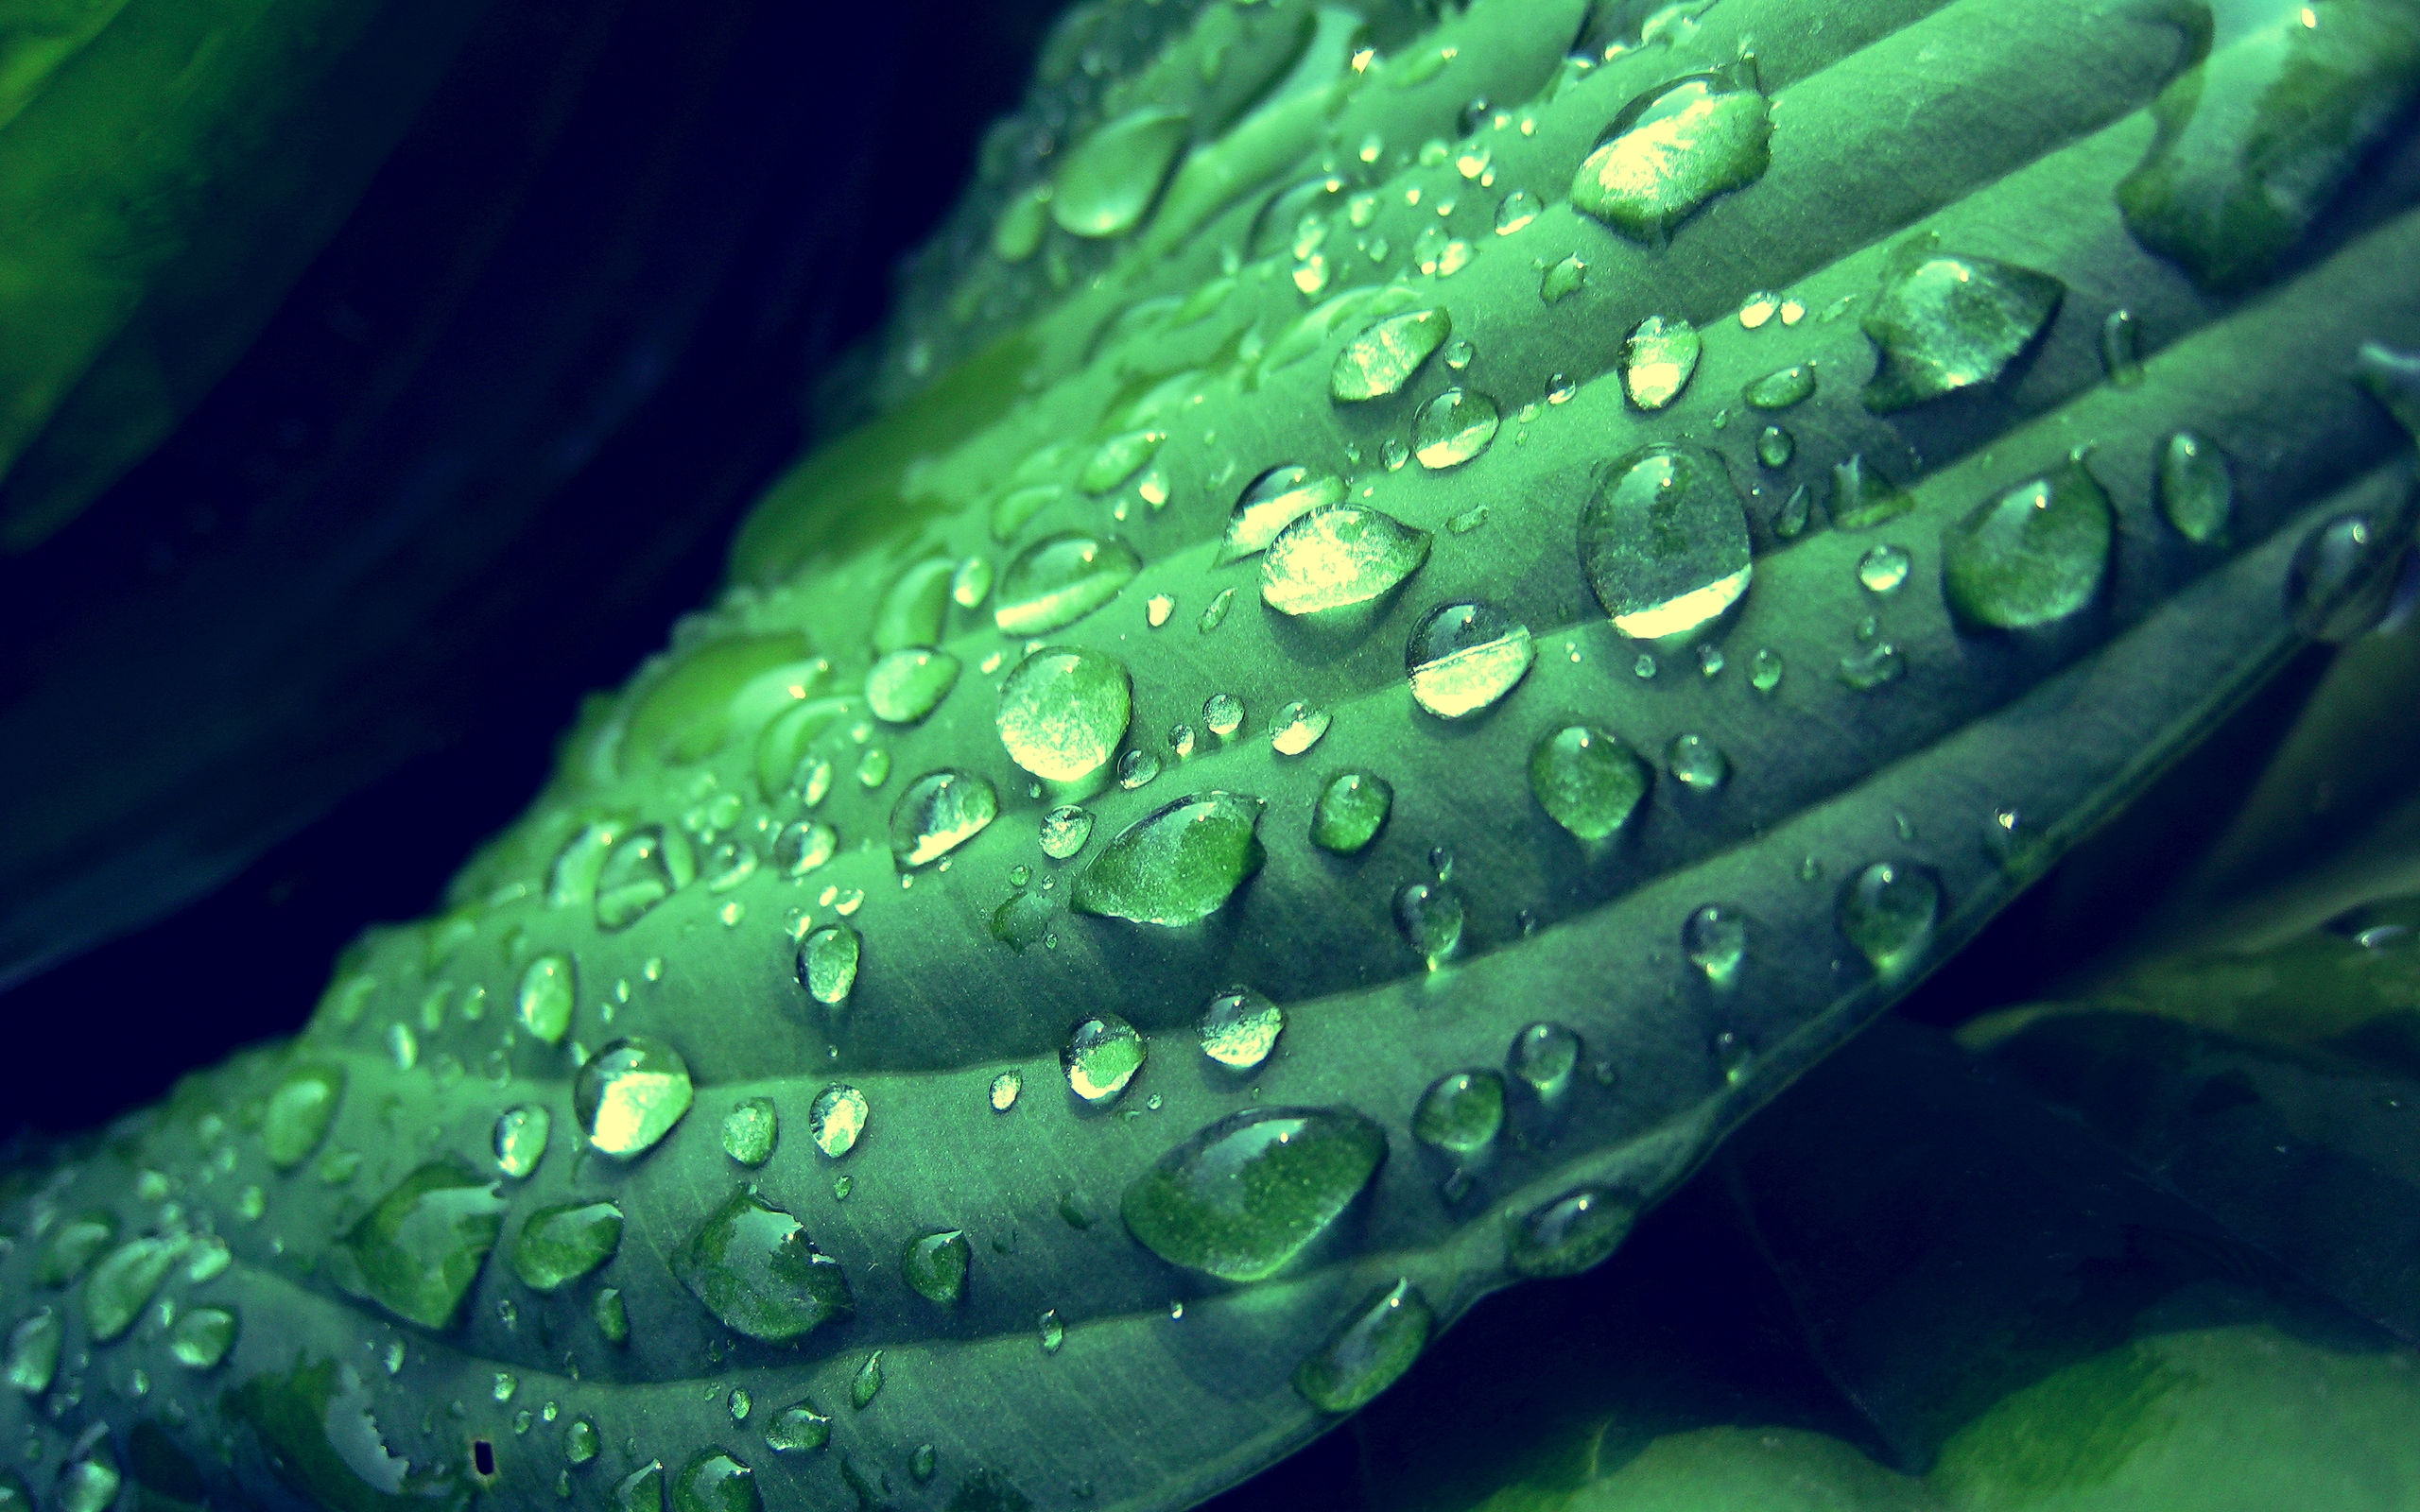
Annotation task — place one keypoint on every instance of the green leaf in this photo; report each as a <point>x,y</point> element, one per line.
<point>985,1011</point>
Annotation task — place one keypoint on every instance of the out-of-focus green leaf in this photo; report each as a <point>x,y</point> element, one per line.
<point>167,167</point>
<point>1692,772</point>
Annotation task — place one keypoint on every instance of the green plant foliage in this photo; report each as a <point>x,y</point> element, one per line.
<point>997,941</point>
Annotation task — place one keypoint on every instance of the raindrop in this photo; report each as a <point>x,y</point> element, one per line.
<point>1697,764</point>
<point>1430,916</point>
<point>970,583</point>
<point>1942,322</point>
<point>1657,360</point>
<point>1137,769</point>
<point>1519,208</point>
<point>1338,556</point>
<point>1351,809</point>
<point>867,1384</point>
<point>1758,308</point>
<point>1273,501</point>
<point>1862,497</point>
<point>33,1351</point>
<point>2343,579</point>
<point>1064,830</point>
<point>1101,1055</point>
<point>1672,149</point>
<point>1715,940</point>
<point>1004,1089</point>
<point>715,1482</point>
<point>1222,714</point>
<point>1587,781</point>
<point>1059,580</point>
<point>1382,358</point>
<point>560,1244</point>
<point>2196,489</point>
<point>804,845</point>
<point>800,1428</point>
<point>418,1251</point>
<point>936,1264</point>
<point>520,1140</point>
<point>1571,1233</point>
<point>940,812</point>
<point>1664,543</point>
<point>907,685</point>
<point>1875,666</point>
<point>1246,1194</point>
<point>1459,355</point>
<point>1239,1028</point>
<point>1765,670</point>
<point>1882,569</point>
<point>754,1267</point>
<point>1157,609</point>
<point>1887,912</point>
<point>1110,179</point>
<point>1176,865</point>
<point>1118,459</point>
<point>1298,727</point>
<point>1375,1345</point>
<point>1454,427</point>
<point>1051,1332</point>
<point>2120,353</point>
<point>1782,389</point>
<point>630,1094</point>
<point>298,1112</point>
<point>838,1119</point>
<point>1564,278</point>
<point>1462,657</point>
<point>1063,712</point>
<point>751,1130</point>
<point>2035,555</point>
<point>1214,612</point>
<point>1789,520</point>
<point>1775,447</point>
<point>1460,1113</point>
<point>1544,1056</point>
<point>642,868</point>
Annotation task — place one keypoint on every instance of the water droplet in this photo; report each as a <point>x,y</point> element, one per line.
<point>754,1267</point>
<point>1430,915</point>
<point>1351,809</point>
<point>1246,1194</point>
<point>751,1130</point>
<point>1709,659</point>
<point>1059,580</point>
<point>1715,940</point>
<point>544,1001</point>
<point>1942,322</point>
<point>33,1351</point>
<point>560,1244</point>
<point>837,1120</point>
<point>827,964</point>
<point>1664,543</point>
<point>1464,657</point>
<point>613,1319</point>
<point>1137,769</point>
<point>1882,569</point>
<point>739,1404</point>
<point>1758,308</point>
<point>1118,459</point>
<point>1064,830</point>
<point>1382,358</point>
<point>1004,1089</point>
<point>642,1490</point>
<point>2036,554</point>
<point>299,1114</point>
<point>1454,427</point>
<point>908,684</point>
<point>1571,1233</point>
<point>938,813</point>
<point>867,1384</point>
<point>1887,912</point>
<point>2196,489</point>
<point>1337,557</point>
<point>1519,208</point>
<point>1657,360</point>
<point>1239,1028</point>
<point>1459,355</point>
<point>2343,579</point>
<point>1273,501</point>
<point>921,1464</point>
<point>1298,727</point>
<point>804,845</point>
<point>90,1481</point>
<point>1460,1113</point>
<point>970,582</point>
<point>1367,1351</point>
<point>800,1428</point>
<point>1223,714</point>
<point>418,1251</point>
<point>1775,447</point>
<point>1863,497</point>
<point>936,1264</point>
<point>1544,1056</point>
<point>1110,179</point>
<point>715,1482</point>
<point>1781,390</point>
<point>1697,764</point>
<point>1587,781</point>
<point>1101,1055</point>
<point>2119,354</point>
<point>1051,1331</point>
<point>1672,149</point>
<point>630,1094</point>
<point>1215,613</point>
<point>1875,666</point>
<point>1562,279</point>
<point>1176,865</point>
<point>642,868</point>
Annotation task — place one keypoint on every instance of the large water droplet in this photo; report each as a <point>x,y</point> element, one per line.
<point>642,868</point>
<point>837,1120</point>
<point>2196,489</point>
<point>936,1264</point>
<point>914,607</point>
<point>1571,1233</point>
<point>2343,579</point>
<point>2036,554</point>
<point>827,964</point>
<point>1246,1194</point>
<point>1178,864</point>
<point>1240,1028</point>
<point>800,1428</point>
<point>549,986</point>
<point>907,685</point>
<point>1658,358</point>
<point>1942,322</point>
<point>121,1285</point>
<point>520,1140</point>
<point>1673,149</point>
<point>418,1251</point>
<point>1375,1344</point>
<point>1454,427</point>
<point>203,1336</point>
<point>1110,179</point>
<point>1431,915</point>
<point>754,1267</point>
<point>1460,1113</point>
<point>1351,810</point>
<point>1887,912</point>
<point>1664,542</point>
<point>1101,1055</point>
<point>1337,557</point>
<point>1715,940</point>
<point>1382,358</point>
<point>630,1094</point>
<point>1587,781</point>
<point>1063,712</point>
<point>559,1245</point>
<point>752,1130</point>
<point>715,1482</point>
<point>299,1114</point>
<point>1464,657</point>
<point>1272,502</point>
<point>938,813</point>
<point>33,1351</point>
<point>1059,580</point>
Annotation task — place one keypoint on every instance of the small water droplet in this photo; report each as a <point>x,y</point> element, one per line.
<point>1543,1056</point>
<point>1137,769</point>
<point>1455,427</point>
<point>1460,1113</point>
<point>520,1140</point>
<point>1102,1054</point>
<point>1383,358</point>
<point>752,1265</point>
<point>938,813</point>
<point>1239,1028</point>
<point>751,1131</point>
<point>2196,489</point>
<point>1431,917</point>
<point>1587,781</point>
<point>1572,1233</point>
<point>630,1094</point>
<point>1051,1331</point>
<point>1367,1351</point>
<point>1887,911</point>
<point>1715,938</point>
<point>1351,808</point>
<point>1298,727</point>
<point>838,1119</point>
<point>1657,360</point>
<point>1223,714</point>
<point>827,964</point>
<point>1697,764</point>
<point>2341,582</point>
<point>1782,389</point>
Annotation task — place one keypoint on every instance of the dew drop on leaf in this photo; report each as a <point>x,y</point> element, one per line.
<point>1542,1057</point>
<point>908,684</point>
<point>1882,569</point>
<point>1004,1089</point>
<point>1464,657</point>
<point>33,1351</point>
<point>1064,830</point>
<point>935,1265</point>
<point>1775,447</point>
<point>418,1251</point>
<point>1338,556</point>
<point>1697,764</point>
<point>202,1337</point>
<point>1671,150</point>
<point>1176,865</point>
<point>1298,727</point>
<point>867,1384</point>
<point>642,868</point>
<point>1657,360</point>
<point>838,1119</point>
<point>1460,1113</point>
<point>1780,389</point>
<point>2196,487</point>
<point>938,813</point>
<point>1430,915</point>
<point>1664,543</point>
<point>1380,360</point>
<point>1059,580</point>
<point>1571,1233</point>
<point>1239,1028</point>
<point>1455,427</point>
<point>560,1244</point>
<point>1063,712</point>
<point>1887,911</point>
<point>1587,781</point>
<point>121,1285</point>
<point>1863,496</point>
<point>2035,555</point>
<point>754,1267</point>
<point>1222,714</point>
<point>1272,502</point>
<point>715,1482</point>
<point>1942,322</point>
<point>1351,808</point>
<point>827,964</point>
<point>752,1130</point>
<point>1244,1195</point>
<point>630,1094</point>
<point>800,1428</point>
<point>1101,1055</point>
<point>298,1112</point>
<point>1377,1343</point>
<point>520,1138</point>
<point>1715,940</point>
<point>1050,1331</point>
<point>2343,579</point>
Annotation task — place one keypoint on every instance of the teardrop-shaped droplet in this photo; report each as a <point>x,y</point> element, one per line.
<point>1671,150</point>
<point>1542,1057</point>
<point>2196,489</point>
<point>713,1480</point>
<point>1239,1028</point>
<point>1715,940</point>
<point>1781,389</point>
<point>1059,580</point>
<point>121,1285</point>
<point>1063,712</point>
<point>1176,864</point>
<point>1375,1344</point>
<point>938,813</point>
<point>2343,579</point>
<point>1101,1055</point>
<point>1572,1233</point>
<point>838,1119</point>
<point>970,582</point>
<point>2120,356</point>
<point>544,1004</point>
<point>1887,911</point>
<point>752,1131</point>
<point>1774,448</point>
<point>2036,554</point>
<point>418,1251</point>
<point>561,1243</point>
<point>1454,427</point>
<point>298,1112</point>
<point>907,685</point>
<point>800,1428</point>
<point>1460,1113</point>
<point>1430,914</point>
<point>1333,557</point>
<point>1942,322</point>
<point>1248,1193</point>
<point>1351,808</point>
<point>630,1094</point>
<point>1110,179</point>
<point>1064,830</point>
<point>1118,459</point>
<point>1587,781</point>
<point>642,868</point>
<point>1664,542</point>
<point>1518,210</point>
<point>520,1140</point>
<point>754,1267</point>
<point>1272,502</point>
<point>936,1266</point>
<point>1298,727</point>
<point>915,606</point>
<point>1658,358</point>
<point>1464,657</point>
<point>74,1244</point>
<point>827,964</point>
<point>33,1352</point>
<point>1382,358</point>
